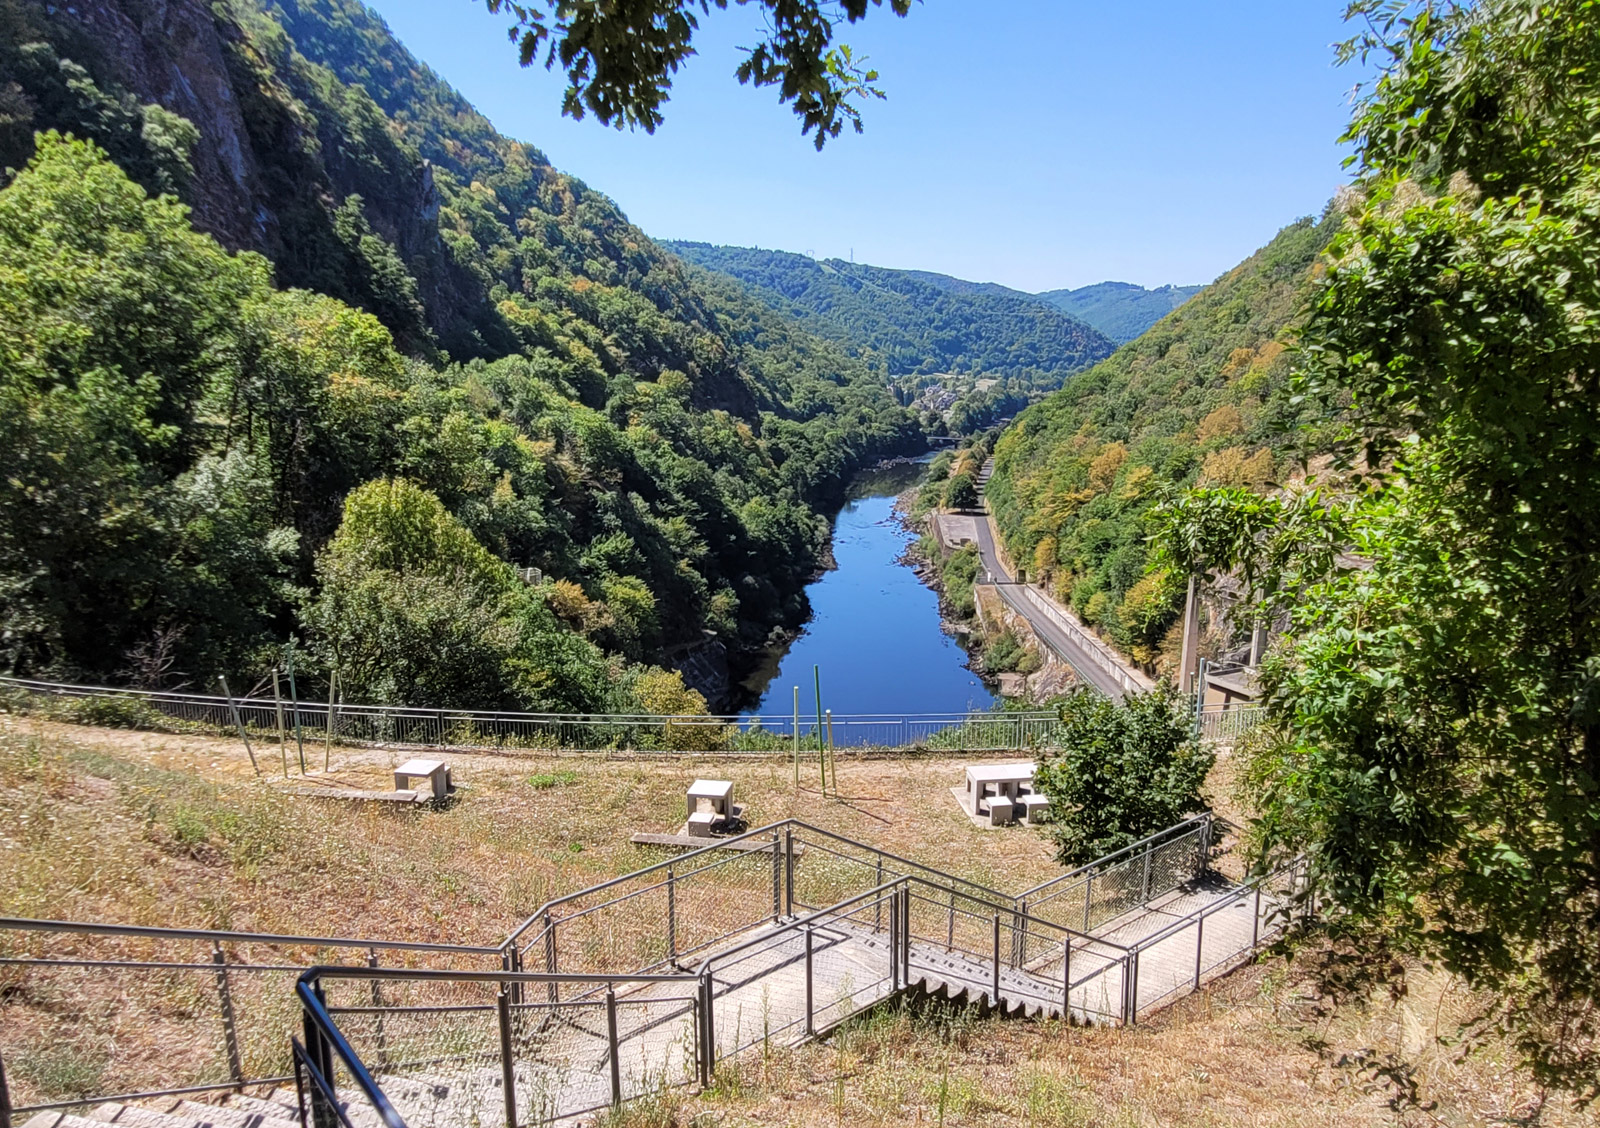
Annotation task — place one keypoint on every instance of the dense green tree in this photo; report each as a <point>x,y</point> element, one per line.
<point>1123,771</point>
<point>1435,730</point>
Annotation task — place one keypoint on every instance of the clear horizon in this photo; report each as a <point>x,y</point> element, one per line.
<point>1049,146</point>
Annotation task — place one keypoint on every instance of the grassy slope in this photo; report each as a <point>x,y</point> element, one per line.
<point>144,828</point>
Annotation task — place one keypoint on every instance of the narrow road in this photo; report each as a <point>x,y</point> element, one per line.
<point>1073,654</point>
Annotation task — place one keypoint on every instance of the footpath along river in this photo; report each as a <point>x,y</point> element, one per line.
<point>874,629</point>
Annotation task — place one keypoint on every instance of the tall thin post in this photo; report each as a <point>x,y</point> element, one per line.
<point>816,678</point>
<point>1066,979</point>
<point>294,704</point>
<point>811,1026</point>
<point>797,737</point>
<point>1200,697</point>
<point>1255,923</point>
<point>1088,900</point>
<point>1199,947</point>
<point>230,1029</point>
<point>239,724</point>
<point>327,747</point>
<point>777,877</point>
<point>788,870</point>
<point>277,708</point>
<point>377,1008</point>
<point>833,755</point>
<point>672,919</point>
<point>508,1072</point>
<point>997,960</point>
<point>611,1041</point>
<point>894,943</point>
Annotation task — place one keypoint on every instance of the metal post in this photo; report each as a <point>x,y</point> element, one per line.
<point>708,1029</point>
<point>327,747</point>
<point>1199,947</point>
<point>816,677</point>
<point>1019,934</point>
<point>997,959</point>
<point>894,944</point>
<point>950,930</point>
<point>905,935</point>
<point>1255,920</point>
<point>797,737</point>
<point>323,1114</point>
<point>877,902</point>
<point>230,1031</point>
<point>788,870</point>
<point>5,1098</point>
<point>508,1073</point>
<point>377,1011</point>
<point>1145,896</point>
<point>239,723</point>
<point>811,1027</point>
<point>1066,979</point>
<point>1088,899</point>
<point>1133,989</point>
<point>550,956</point>
<point>672,918</point>
<point>277,707</point>
<point>294,704</point>
<point>611,1041</point>
<point>777,877</point>
<point>833,755</point>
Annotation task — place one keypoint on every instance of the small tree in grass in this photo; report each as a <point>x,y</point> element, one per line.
<point>1124,771</point>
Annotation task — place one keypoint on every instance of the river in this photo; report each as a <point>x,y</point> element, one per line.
<point>874,628</point>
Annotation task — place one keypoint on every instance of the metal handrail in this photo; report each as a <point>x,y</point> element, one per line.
<point>1250,886</point>
<point>318,1020</point>
<point>29,924</point>
<point>1176,830</point>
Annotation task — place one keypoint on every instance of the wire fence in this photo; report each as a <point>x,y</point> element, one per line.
<point>1226,723</point>
<point>101,1011</point>
<point>305,729</point>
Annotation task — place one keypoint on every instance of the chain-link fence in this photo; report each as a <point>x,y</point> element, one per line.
<point>287,730</point>
<point>1093,895</point>
<point>92,1012</point>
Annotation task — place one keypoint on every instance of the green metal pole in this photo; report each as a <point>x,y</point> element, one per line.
<point>239,723</point>
<point>294,703</point>
<point>833,757</point>
<point>797,736</point>
<point>277,704</point>
<point>816,678</point>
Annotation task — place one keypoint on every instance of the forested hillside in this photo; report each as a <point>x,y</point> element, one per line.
<point>1197,398</point>
<point>917,328</point>
<point>1120,310</point>
<point>452,362</point>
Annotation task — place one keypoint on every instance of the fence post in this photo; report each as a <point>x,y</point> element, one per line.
<point>1133,988</point>
<point>1199,947</point>
<point>1145,896</point>
<point>788,869</point>
<point>377,1004</point>
<point>1088,899</point>
<point>905,935</point>
<point>323,1115</point>
<point>811,1027</point>
<point>777,877</point>
<point>550,956</point>
<point>877,902</point>
<point>1019,934</point>
<point>611,1040</point>
<point>894,943</point>
<point>950,931</point>
<point>230,1032</point>
<point>672,918</point>
<point>5,1098</point>
<point>1066,980</point>
<point>1255,919</point>
<point>1205,846</point>
<point>508,1073</point>
<point>708,1030</point>
<point>997,960</point>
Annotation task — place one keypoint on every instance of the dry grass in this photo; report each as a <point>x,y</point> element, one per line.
<point>156,829</point>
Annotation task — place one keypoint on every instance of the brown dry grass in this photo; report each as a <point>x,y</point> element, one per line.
<point>157,829</point>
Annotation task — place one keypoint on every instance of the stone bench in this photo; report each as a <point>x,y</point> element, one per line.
<point>1035,808</point>
<point>436,772</point>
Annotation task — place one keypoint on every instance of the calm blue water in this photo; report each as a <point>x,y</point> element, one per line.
<point>874,629</point>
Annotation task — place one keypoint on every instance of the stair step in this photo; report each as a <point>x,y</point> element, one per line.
<point>223,1116</point>
<point>161,1113</point>
<point>270,1109</point>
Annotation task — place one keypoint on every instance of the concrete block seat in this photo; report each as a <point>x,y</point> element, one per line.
<point>1035,808</point>
<point>436,772</point>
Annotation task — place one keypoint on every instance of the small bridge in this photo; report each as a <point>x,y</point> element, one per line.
<point>646,982</point>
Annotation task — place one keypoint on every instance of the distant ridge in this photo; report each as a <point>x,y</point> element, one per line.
<point>1120,310</point>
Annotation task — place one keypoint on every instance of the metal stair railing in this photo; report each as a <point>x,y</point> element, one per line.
<point>87,1002</point>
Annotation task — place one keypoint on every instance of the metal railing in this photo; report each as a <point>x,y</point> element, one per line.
<point>321,725</point>
<point>1108,887</point>
<point>98,1012</point>
<point>1228,722</point>
<point>639,983</point>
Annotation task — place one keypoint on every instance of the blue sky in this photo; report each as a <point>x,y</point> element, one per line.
<point>1034,143</point>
